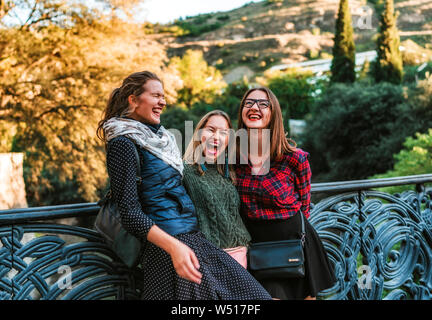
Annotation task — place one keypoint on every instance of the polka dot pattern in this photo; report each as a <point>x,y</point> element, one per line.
<point>122,169</point>
<point>222,276</point>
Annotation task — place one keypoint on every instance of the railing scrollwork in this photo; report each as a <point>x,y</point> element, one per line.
<point>379,244</point>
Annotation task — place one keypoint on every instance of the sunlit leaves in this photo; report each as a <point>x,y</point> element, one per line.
<point>201,82</point>
<point>54,83</point>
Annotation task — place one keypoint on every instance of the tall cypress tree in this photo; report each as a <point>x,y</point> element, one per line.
<point>388,65</point>
<point>343,63</point>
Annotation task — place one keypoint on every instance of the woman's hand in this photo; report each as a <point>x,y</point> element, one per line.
<point>185,262</point>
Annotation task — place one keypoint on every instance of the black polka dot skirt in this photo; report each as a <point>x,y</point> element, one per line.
<point>222,276</point>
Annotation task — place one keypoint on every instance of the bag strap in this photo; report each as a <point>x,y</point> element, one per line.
<point>303,232</point>
<point>138,172</point>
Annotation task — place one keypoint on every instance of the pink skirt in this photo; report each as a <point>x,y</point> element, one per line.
<point>239,254</point>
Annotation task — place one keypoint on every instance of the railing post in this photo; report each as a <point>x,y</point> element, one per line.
<point>12,261</point>
<point>361,231</point>
<point>420,188</point>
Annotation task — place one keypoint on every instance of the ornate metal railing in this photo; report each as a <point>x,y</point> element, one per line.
<point>379,244</point>
<point>43,256</point>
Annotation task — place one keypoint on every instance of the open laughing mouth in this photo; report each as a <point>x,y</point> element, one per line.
<point>254,117</point>
<point>157,112</point>
<point>212,148</point>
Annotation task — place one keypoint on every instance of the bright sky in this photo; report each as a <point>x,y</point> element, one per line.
<point>164,11</point>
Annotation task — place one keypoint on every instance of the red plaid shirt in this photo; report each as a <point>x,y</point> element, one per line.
<point>279,194</point>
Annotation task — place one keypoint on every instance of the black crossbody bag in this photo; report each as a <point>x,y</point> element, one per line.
<point>278,259</point>
<point>108,223</point>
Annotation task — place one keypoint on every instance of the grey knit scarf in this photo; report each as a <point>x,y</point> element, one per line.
<point>164,146</point>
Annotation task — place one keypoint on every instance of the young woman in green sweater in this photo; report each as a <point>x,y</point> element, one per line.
<point>210,184</point>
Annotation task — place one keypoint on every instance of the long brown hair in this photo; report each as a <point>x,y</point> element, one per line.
<point>280,144</point>
<point>118,105</point>
<point>189,155</point>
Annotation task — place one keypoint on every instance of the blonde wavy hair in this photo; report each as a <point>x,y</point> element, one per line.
<point>189,155</point>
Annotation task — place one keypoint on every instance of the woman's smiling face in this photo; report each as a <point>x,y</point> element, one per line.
<point>255,117</point>
<point>148,106</point>
<point>214,137</point>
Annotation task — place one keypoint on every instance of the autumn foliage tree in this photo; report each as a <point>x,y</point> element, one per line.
<point>57,69</point>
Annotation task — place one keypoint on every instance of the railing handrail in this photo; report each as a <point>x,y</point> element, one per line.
<point>356,185</point>
<point>12,216</point>
<point>80,210</point>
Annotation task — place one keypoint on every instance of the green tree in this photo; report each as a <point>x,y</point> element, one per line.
<point>378,5</point>
<point>415,158</point>
<point>201,82</point>
<point>343,63</point>
<point>364,72</point>
<point>355,129</point>
<point>294,92</point>
<point>388,65</point>
<point>175,118</point>
<point>228,101</point>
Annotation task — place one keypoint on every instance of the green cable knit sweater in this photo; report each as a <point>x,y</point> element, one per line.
<point>217,205</point>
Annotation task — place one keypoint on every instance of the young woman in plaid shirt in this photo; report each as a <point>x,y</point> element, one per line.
<point>274,188</point>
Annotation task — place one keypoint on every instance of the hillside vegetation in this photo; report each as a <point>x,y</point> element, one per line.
<point>259,35</point>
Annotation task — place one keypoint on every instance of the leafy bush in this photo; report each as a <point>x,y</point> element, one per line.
<point>411,75</point>
<point>270,2</point>
<point>148,27</point>
<point>201,82</point>
<point>294,92</point>
<point>229,101</point>
<point>197,26</point>
<point>414,158</point>
<point>355,129</point>
<point>175,117</point>
<point>174,30</point>
<point>420,98</point>
<point>223,17</point>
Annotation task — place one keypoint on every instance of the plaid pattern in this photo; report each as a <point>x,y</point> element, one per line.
<point>279,194</point>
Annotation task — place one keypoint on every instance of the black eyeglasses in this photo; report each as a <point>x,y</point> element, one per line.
<point>261,103</point>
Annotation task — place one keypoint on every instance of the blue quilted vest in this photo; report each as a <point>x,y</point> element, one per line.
<point>163,197</point>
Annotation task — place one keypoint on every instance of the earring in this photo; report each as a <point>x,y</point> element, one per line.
<point>226,165</point>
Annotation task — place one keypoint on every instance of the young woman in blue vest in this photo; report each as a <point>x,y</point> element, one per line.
<point>209,180</point>
<point>178,262</point>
